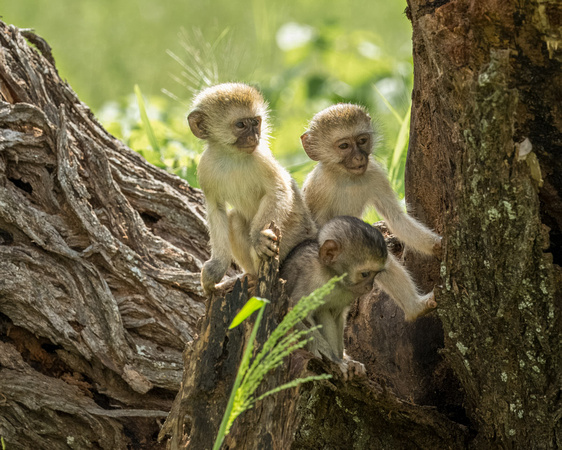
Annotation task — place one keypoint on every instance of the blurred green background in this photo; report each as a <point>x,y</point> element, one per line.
<point>304,55</point>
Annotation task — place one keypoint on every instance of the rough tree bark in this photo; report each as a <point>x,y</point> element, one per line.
<point>99,261</point>
<point>487,90</point>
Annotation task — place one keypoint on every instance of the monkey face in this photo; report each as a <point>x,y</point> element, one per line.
<point>361,280</point>
<point>247,133</point>
<point>354,152</point>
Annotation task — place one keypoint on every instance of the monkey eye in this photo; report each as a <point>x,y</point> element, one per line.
<point>255,122</point>
<point>344,146</point>
<point>365,274</point>
<point>239,124</point>
<point>362,141</point>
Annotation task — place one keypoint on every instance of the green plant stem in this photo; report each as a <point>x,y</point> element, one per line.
<point>237,381</point>
<point>146,122</point>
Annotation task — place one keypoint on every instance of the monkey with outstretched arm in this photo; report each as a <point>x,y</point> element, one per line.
<point>238,170</point>
<point>345,245</point>
<point>347,179</point>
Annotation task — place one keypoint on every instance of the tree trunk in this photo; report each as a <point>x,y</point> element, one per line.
<point>487,90</point>
<point>99,261</point>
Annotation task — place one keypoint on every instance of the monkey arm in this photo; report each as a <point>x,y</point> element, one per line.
<point>410,231</point>
<point>221,256</point>
<point>397,283</point>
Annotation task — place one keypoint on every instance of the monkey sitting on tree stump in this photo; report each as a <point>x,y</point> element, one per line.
<point>345,246</point>
<point>238,169</point>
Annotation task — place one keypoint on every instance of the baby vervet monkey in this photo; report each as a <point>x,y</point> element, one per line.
<point>347,179</point>
<point>237,169</point>
<point>345,245</point>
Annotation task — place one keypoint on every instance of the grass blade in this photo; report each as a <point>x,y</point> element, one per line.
<point>389,106</point>
<point>399,147</point>
<point>226,419</point>
<point>146,122</point>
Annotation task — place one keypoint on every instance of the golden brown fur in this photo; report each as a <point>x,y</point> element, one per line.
<point>237,170</point>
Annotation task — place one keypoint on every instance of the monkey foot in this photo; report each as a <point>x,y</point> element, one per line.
<point>427,304</point>
<point>228,284</point>
<point>351,369</point>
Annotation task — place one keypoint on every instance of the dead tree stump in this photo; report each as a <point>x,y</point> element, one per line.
<point>100,254</point>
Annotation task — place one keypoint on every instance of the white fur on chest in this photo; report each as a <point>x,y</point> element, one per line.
<point>346,197</point>
<point>237,181</point>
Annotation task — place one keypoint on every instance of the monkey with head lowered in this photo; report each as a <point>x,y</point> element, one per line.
<point>237,169</point>
<point>345,245</point>
<point>347,179</point>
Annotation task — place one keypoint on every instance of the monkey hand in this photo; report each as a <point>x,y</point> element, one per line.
<point>211,273</point>
<point>267,245</point>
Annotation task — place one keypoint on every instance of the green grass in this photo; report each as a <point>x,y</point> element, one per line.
<point>283,341</point>
<point>105,47</point>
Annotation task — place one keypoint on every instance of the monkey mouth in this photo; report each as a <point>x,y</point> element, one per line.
<point>359,170</point>
<point>247,148</point>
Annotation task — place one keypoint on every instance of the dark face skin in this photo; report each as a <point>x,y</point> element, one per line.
<point>359,280</point>
<point>365,284</point>
<point>354,152</point>
<point>247,131</point>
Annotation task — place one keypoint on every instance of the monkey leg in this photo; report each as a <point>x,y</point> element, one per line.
<point>340,326</point>
<point>397,283</point>
<point>211,273</point>
<point>239,234</point>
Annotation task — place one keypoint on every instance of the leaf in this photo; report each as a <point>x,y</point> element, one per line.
<point>247,310</point>
<point>389,106</point>
<point>400,146</point>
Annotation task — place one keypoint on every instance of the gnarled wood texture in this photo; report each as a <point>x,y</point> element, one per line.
<point>100,254</point>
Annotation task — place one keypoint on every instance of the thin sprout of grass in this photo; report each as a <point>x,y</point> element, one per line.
<point>146,123</point>
<point>280,344</point>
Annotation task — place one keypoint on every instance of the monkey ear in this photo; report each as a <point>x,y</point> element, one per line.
<point>329,252</point>
<point>306,141</point>
<point>196,122</point>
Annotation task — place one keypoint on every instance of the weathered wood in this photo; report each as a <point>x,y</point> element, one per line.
<point>100,254</point>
